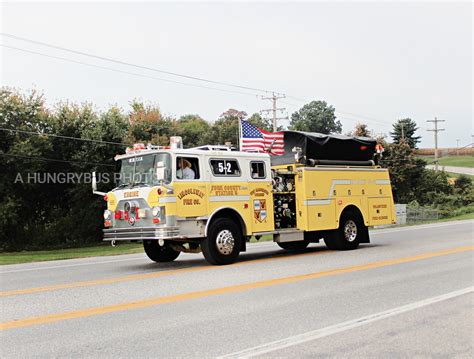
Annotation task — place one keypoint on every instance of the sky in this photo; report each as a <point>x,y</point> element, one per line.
<point>375,62</point>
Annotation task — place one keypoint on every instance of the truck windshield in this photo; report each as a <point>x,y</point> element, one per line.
<point>142,170</point>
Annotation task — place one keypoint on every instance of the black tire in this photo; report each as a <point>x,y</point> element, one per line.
<point>223,242</point>
<point>159,253</point>
<point>350,233</point>
<point>330,241</point>
<point>293,246</point>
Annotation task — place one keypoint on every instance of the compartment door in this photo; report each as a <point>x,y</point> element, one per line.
<point>380,211</point>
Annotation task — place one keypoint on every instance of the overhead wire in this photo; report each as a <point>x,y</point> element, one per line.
<point>39,158</point>
<point>125,72</point>
<point>65,137</point>
<point>120,62</point>
<point>196,78</point>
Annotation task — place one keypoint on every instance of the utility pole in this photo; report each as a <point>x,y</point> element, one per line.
<point>436,130</point>
<point>457,147</point>
<point>275,96</point>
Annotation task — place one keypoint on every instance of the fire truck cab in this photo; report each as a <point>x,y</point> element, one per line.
<point>214,199</point>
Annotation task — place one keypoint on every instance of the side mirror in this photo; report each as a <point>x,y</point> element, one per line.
<point>94,186</point>
<point>160,171</point>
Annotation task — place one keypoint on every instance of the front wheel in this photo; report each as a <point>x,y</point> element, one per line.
<point>293,246</point>
<point>350,233</point>
<point>223,242</point>
<point>159,253</point>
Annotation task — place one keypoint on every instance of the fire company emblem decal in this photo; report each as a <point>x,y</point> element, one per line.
<point>260,210</point>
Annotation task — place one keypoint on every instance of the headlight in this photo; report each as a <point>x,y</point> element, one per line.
<point>107,214</point>
<point>156,211</point>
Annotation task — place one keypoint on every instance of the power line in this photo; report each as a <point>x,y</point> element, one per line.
<point>125,72</point>
<point>196,78</point>
<point>65,137</point>
<point>103,58</point>
<point>54,160</point>
<point>358,118</point>
<point>362,117</point>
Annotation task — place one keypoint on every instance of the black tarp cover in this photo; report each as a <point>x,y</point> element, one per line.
<point>319,146</point>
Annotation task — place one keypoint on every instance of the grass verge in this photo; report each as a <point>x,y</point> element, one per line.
<point>455,161</point>
<point>456,175</point>
<point>457,218</point>
<point>70,253</point>
<point>128,248</point>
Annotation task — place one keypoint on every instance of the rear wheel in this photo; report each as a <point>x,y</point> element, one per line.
<point>223,242</point>
<point>350,233</point>
<point>293,246</point>
<point>159,253</point>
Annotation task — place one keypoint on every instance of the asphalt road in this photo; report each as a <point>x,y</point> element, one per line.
<point>408,293</point>
<point>452,169</point>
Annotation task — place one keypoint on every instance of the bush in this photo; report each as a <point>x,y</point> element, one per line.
<point>412,183</point>
<point>463,184</point>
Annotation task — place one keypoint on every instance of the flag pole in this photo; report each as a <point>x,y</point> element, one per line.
<point>239,135</point>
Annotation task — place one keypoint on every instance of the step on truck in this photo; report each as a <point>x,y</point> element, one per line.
<point>213,199</point>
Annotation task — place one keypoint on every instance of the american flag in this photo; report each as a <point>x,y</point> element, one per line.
<point>254,139</point>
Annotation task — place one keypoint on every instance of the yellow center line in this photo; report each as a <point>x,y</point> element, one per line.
<point>219,291</point>
<point>141,276</point>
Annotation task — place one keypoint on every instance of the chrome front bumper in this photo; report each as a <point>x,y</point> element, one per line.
<point>137,233</point>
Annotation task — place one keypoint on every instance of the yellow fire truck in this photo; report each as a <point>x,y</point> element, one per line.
<point>214,199</point>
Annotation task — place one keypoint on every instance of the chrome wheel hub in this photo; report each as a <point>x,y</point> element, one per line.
<point>225,242</point>
<point>350,231</point>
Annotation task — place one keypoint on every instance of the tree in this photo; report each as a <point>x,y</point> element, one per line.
<point>226,128</point>
<point>194,130</point>
<point>405,128</point>
<point>316,116</point>
<point>39,213</point>
<point>404,168</point>
<point>361,130</point>
<point>147,124</point>
<point>18,199</point>
<point>260,122</point>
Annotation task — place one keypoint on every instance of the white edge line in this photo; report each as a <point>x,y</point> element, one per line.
<point>74,264</point>
<point>420,226</point>
<point>340,327</point>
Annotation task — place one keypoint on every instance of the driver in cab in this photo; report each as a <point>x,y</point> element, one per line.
<point>184,169</point>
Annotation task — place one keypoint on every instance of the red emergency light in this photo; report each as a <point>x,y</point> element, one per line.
<point>138,146</point>
<point>118,214</point>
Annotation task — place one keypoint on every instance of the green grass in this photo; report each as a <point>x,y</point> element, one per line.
<point>456,175</point>
<point>448,219</point>
<point>52,255</point>
<point>265,238</point>
<point>127,248</point>
<point>455,161</point>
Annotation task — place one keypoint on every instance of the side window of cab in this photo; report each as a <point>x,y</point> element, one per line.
<point>187,168</point>
<point>257,170</point>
